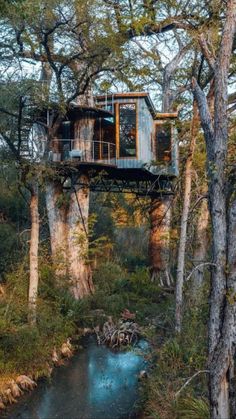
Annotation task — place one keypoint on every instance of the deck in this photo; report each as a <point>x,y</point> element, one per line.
<point>106,172</point>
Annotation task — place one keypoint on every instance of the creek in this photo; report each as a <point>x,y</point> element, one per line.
<point>97,383</point>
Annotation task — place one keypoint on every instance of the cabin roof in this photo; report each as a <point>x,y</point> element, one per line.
<point>135,95</point>
<point>130,95</point>
<point>74,110</point>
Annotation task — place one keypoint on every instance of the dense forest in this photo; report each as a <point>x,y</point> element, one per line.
<point>117,195</point>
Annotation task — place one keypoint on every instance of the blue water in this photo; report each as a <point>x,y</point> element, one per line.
<point>96,384</point>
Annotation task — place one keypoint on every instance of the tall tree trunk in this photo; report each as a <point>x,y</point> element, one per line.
<point>201,246</point>
<point>229,327</point>
<point>33,254</point>
<point>222,331</point>
<point>68,215</point>
<point>184,222</point>
<point>78,212</point>
<point>77,225</point>
<point>68,224</point>
<point>56,210</point>
<point>160,211</point>
<point>159,239</point>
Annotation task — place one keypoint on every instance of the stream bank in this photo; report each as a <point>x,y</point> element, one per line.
<point>97,383</point>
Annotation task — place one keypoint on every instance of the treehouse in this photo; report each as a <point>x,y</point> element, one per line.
<point>124,139</point>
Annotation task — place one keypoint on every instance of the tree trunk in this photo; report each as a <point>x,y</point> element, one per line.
<point>159,240</point>
<point>230,318</point>
<point>78,212</point>
<point>201,246</point>
<point>160,211</point>
<point>68,224</point>
<point>223,279</point>
<point>56,210</point>
<point>77,225</point>
<point>33,254</point>
<point>222,360</point>
<point>68,215</point>
<point>184,223</point>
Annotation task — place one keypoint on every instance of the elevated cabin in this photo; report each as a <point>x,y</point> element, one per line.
<point>129,140</point>
<point>144,139</point>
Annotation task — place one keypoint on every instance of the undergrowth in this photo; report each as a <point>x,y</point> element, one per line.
<point>26,349</point>
<point>117,289</point>
<point>178,359</point>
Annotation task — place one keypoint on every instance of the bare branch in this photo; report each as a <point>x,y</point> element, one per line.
<point>197,267</point>
<point>190,379</point>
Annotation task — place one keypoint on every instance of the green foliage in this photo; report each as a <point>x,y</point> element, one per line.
<point>192,408</point>
<point>8,239</point>
<point>13,216</point>
<point>117,289</point>
<point>25,348</point>
<point>177,359</point>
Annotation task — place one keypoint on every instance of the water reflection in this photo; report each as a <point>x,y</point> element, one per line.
<point>97,384</point>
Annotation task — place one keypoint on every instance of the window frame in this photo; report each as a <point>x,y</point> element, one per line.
<point>155,151</point>
<point>117,117</point>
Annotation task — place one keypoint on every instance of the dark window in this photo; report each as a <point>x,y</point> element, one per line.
<point>66,130</point>
<point>66,133</point>
<point>127,119</point>
<point>163,142</point>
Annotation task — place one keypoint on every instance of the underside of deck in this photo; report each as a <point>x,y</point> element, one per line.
<point>108,178</point>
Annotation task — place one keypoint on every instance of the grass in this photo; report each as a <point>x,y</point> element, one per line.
<point>25,349</point>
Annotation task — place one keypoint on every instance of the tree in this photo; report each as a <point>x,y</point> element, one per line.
<point>223,285</point>
<point>15,126</point>
<point>72,45</point>
<point>184,221</point>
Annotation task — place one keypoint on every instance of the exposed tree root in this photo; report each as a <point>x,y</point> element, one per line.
<point>125,332</point>
<point>25,383</point>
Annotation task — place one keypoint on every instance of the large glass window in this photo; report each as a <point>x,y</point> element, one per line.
<point>128,129</point>
<point>163,143</point>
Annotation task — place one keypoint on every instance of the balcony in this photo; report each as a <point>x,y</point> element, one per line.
<point>84,151</point>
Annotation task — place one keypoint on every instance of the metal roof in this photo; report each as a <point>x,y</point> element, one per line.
<point>136,95</point>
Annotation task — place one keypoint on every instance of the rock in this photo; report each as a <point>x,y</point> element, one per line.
<point>143,375</point>
<point>25,382</point>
